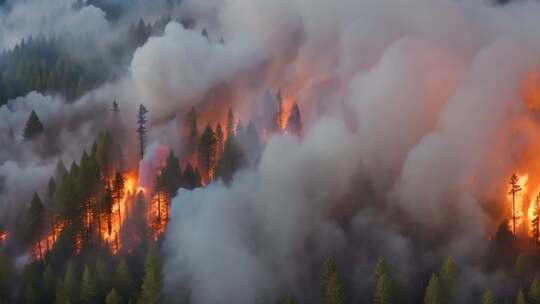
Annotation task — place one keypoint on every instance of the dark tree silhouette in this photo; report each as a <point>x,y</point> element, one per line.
<point>141,129</point>
<point>33,126</point>
<point>294,122</point>
<point>515,188</point>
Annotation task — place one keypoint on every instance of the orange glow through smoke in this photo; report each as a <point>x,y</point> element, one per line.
<point>531,90</point>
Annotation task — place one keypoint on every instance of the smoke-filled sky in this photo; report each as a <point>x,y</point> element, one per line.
<point>423,121</point>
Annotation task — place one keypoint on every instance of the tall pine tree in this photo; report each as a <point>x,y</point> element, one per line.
<point>433,291</point>
<point>207,152</point>
<point>33,126</point>
<point>141,129</point>
<point>153,279</point>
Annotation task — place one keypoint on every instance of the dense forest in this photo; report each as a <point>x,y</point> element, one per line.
<point>43,64</point>
<point>303,158</point>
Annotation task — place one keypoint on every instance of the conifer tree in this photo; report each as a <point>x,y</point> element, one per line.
<point>33,126</point>
<point>488,297</point>
<point>204,33</point>
<point>334,293</point>
<point>171,175</point>
<point>534,292</point>
<point>231,160</point>
<point>289,299</point>
<point>448,280</point>
<point>219,141</point>
<point>141,129</point>
<point>294,122</point>
<point>118,193</point>
<point>329,267</point>
<point>138,220</point>
<point>60,170</point>
<point>67,290</point>
<point>33,224</point>
<point>153,279</point>
<point>278,119</point>
<point>88,287</point>
<point>207,152</point>
<point>103,279</point>
<point>113,297</point>
<point>191,178</point>
<point>332,287</point>
<point>520,299</point>
<point>114,108</point>
<point>515,188</point>
<point>107,203</point>
<point>433,291</point>
<point>383,283</point>
<point>399,289</point>
<point>250,143</point>
<point>230,122</point>
<point>123,281</point>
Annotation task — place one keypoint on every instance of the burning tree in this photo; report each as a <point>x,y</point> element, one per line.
<point>141,129</point>
<point>158,215</point>
<point>118,193</point>
<point>515,188</point>
<point>294,122</point>
<point>535,227</point>
<point>32,224</point>
<point>207,152</point>
<point>106,203</point>
<point>219,140</point>
<point>278,119</point>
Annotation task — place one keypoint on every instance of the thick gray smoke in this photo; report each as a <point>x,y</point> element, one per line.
<point>413,109</point>
<point>434,92</point>
<point>28,165</point>
<point>21,19</point>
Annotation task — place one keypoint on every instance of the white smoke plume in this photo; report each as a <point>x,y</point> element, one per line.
<point>434,92</point>
<point>22,19</point>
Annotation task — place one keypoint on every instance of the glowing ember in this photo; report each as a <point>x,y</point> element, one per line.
<point>3,236</point>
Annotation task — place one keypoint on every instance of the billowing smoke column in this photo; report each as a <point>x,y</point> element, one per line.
<point>421,104</point>
<point>413,120</point>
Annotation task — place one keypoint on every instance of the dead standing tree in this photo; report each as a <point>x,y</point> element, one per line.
<point>515,188</point>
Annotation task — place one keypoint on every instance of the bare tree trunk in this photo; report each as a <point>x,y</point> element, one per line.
<point>514,212</point>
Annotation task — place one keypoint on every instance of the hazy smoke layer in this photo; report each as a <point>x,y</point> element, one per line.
<point>26,166</point>
<point>432,92</point>
<point>21,19</point>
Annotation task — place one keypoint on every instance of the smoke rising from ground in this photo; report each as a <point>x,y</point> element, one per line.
<point>434,90</point>
<point>21,19</point>
<point>413,113</point>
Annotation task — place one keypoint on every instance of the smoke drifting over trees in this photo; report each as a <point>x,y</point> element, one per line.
<point>277,134</point>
